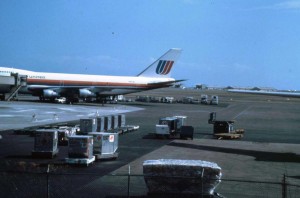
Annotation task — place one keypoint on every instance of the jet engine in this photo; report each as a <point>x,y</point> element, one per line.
<point>49,93</point>
<point>85,93</point>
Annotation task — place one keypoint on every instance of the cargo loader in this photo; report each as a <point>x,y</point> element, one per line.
<point>224,129</point>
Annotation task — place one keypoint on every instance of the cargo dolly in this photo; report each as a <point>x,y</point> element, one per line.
<point>80,161</point>
<point>44,154</point>
<point>108,156</point>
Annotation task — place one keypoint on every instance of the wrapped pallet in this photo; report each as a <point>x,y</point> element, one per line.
<point>172,176</point>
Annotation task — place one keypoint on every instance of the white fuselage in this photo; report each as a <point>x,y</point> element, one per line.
<point>104,85</point>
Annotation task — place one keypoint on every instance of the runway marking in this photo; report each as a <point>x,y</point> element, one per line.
<point>20,111</point>
<point>242,112</point>
<point>7,116</point>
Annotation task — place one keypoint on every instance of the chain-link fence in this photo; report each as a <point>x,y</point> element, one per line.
<point>29,184</point>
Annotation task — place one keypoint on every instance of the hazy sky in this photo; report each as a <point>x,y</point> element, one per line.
<point>224,42</point>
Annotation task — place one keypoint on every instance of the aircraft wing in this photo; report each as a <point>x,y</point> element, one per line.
<point>167,83</point>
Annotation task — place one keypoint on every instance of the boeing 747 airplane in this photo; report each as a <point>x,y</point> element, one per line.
<point>75,86</point>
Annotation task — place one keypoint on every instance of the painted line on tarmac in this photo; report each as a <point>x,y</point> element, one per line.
<point>242,112</point>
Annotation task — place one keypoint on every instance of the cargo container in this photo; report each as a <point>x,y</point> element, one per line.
<point>107,123</point>
<point>171,122</point>
<point>181,121</point>
<point>100,124</point>
<point>88,125</point>
<point>45,143</point>
<point>204,99</point>
<point>214,100</point>
<point>121,120</point>
<point>114,121</point>
<point>171,127</point>
<point>64,133</point>
<point>105,145</point>
<point>80,150</point>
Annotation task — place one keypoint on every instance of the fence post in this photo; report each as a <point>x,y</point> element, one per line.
<point>128,182</point>
<point>284,191</point>
<point>202,182</point>
<point>48,191</point>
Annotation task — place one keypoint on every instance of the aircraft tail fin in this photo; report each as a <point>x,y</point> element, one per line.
<point>162,67</point>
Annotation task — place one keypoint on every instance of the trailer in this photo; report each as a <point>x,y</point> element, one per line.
<point>45,143</point>
<point>105,145</point>
<point>224,129</point>
<point>167,126</point>
<point>174,127</point>
<point>80,150</point>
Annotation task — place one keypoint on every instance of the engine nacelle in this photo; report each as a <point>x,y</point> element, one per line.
<point>49,93</point>
<point>85,93</point>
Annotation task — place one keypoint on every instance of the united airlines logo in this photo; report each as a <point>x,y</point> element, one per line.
<point>164,67</point>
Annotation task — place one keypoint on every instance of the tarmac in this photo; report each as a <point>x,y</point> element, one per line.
<point>269,149</point>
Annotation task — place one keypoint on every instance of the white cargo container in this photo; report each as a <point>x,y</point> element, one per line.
<point>105,145</point>
<point>204,99</point>
<point>162,129</point>
<point>45,143</point>
<point>181,121</point>
<point>214,100</point>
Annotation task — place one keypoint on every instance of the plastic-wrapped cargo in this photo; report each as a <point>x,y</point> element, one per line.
<point>172,176</point>
<point>105,143</point>
<point>88,125</point>
<point>80,146</point>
